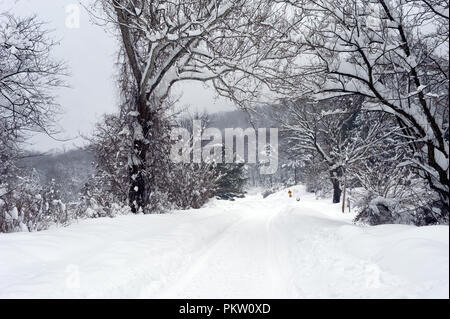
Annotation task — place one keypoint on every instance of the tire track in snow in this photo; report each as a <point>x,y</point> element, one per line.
<point>240,264</point>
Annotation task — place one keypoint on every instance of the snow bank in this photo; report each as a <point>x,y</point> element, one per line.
<point>330,257</point>
<point>418,254</point>
<point>252,247</point>
<point>125,257</point>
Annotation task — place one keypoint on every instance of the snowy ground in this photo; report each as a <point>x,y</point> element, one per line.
<point>251,248</point>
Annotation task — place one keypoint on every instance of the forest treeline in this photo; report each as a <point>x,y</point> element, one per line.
<point>357,88</point>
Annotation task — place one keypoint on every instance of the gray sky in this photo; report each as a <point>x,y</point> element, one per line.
<point>90,54</point>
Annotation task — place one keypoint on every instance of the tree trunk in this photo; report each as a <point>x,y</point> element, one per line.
<point>295,175</point>
<point>343,196</point>
<point>137,191</point>
<point>138,175</point>
<point>336,191</point>
<point>336,187</point>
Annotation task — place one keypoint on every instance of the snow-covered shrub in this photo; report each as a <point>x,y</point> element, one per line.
<point>53,210</point>
<point>388,190</point>
<point>92,209</point>
<point>10,219</point>
<point>97,202</point>
<point>20,199</point>
<point>415,205</point>
<point>159,202</point>
<point>192,184</point>
<point>269,190</point>
<point>20,205</point>
<point>105,193</point>
<point>27,206</point>
<point>391,211</point>
<point>432,214</point>
<point>381,210</point>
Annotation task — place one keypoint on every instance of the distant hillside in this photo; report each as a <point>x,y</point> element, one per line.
<point>70,169</point>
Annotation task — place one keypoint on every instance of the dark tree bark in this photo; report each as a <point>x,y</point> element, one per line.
<point>336,186</point>
<point>336,191</point>
<point>139,178</point>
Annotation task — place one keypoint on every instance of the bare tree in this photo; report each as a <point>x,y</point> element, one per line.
<point>395,54</point>
<point>333,130</point>
<point>165,42</point>
<point>28,76</point>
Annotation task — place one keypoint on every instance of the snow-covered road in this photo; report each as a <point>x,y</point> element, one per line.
<point>251,248</point>
<point>241,263</point>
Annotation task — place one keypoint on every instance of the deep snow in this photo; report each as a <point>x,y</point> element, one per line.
<point>251,248</point>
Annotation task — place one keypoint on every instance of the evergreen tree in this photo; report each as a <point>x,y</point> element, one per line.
<point>232,178</point>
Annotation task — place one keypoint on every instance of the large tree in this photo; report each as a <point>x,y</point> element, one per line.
<point>28,76</point>
<point>225,42</point>
<point>395,54</point>
<point>333,131</point>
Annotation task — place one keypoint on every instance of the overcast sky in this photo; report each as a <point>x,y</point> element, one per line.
<point>90,54</point>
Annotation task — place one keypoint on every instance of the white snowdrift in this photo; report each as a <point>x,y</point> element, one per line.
<point>250,248</point>
<point>125,257</point>
<point>386,261</point>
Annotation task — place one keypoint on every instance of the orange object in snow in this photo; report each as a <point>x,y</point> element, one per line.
<point>290,194</point>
